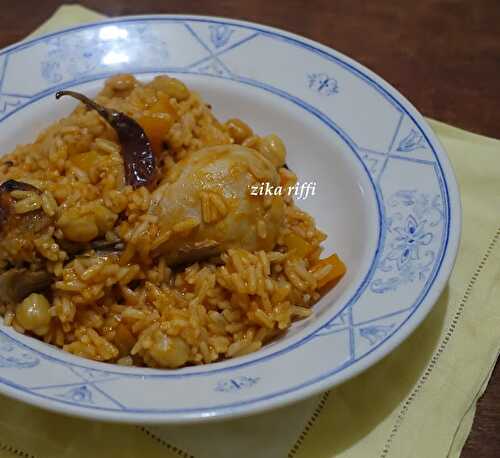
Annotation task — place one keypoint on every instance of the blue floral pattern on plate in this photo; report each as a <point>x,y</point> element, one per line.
<point>236,384</point>
<point>411,223</point>
<point>80,395</point>
<point>220,34</point>
<point>414,140</point>
<point>375,333</point>
<point>11,355</point>
<point>322,83</point>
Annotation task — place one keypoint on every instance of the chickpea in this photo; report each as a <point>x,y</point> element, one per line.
<point>121,82</point>
<point>273,148</point>
<point>171,86</point>
<point>78,228</point>
<point>104,218</point>
<point>33,314</point>
<point>238,130</point>
<point>85,224</point>
<point>169,351</point>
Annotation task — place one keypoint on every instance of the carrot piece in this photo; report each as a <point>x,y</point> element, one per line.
<point>163,105</point>
<point>156,128</point>
<point>337,271</point>
<point>298,244</point>
<point>157,124</point>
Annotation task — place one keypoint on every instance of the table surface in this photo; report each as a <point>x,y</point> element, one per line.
<point>443,55</point>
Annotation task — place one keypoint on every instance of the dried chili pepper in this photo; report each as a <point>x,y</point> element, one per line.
<point>14,185</point>
<point>138,157</point>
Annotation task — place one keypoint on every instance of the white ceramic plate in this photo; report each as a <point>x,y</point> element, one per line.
<point>386,196</point>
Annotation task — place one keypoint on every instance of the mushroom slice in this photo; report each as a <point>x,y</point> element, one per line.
<point>16,284</point>
<point>199,251</point>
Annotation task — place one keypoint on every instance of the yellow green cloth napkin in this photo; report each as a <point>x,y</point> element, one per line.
<point>417,402</point>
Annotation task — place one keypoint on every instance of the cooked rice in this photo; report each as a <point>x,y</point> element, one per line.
<point>131,308</point>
